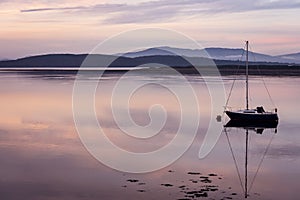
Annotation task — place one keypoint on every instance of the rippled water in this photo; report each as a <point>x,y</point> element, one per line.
<point>42,156</point>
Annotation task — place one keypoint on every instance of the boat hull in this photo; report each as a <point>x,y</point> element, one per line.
<point>252,124</point>
<point>252,117</point>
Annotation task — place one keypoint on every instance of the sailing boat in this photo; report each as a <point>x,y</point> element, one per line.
<point>259,130</point>
<point>254,115</point>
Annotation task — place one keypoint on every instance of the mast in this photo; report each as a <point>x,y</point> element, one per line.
<point>247,68</point>
<point>246,166</point>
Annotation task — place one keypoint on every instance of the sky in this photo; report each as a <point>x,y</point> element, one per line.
<point>31,27</point>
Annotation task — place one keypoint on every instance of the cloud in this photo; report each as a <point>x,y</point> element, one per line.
<point>254,5</point>
<point>168,10</point>
<point>51,9</point>
<point>83,9</point>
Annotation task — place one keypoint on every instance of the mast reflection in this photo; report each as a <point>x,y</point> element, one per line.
<point>248,127</point>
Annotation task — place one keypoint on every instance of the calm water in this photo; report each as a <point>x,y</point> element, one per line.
<point>42,156</point>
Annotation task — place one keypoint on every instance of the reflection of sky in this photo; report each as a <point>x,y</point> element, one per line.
<point>42,156</point>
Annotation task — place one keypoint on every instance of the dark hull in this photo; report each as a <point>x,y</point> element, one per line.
<point>252,117</point>
<point>252,124</point>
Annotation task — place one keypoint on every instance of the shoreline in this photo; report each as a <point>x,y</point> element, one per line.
<point>262,70</point>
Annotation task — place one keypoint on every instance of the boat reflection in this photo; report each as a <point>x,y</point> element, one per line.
<point>248,127</point>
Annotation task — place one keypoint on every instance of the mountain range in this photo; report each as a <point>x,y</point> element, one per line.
<point>170,56</point>
<point>215,53</point>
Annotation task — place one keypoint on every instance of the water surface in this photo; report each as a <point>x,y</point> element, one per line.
<point>42,156</point>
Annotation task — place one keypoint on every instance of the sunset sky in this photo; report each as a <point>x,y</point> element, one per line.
<point>30,27</point>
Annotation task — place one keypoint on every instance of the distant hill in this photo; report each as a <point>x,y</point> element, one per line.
<point>148,52</point>
<point>294,57</point>
<point>3,59</point>
<point>71,60</point>
<point>97,60</point>
<point>167,55</point>
<point>214,53</point>
<point>65,60</point>
<point>50,60</point>
<point>180,63</point>
<point>170,56</point>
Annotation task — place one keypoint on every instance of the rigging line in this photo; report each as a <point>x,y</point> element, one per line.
<point>266,89</point>
<point>260,163</point>
<point>231,89</point>
<point>259,71</point>
<point>235,163</point>
<point>230,92</point>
